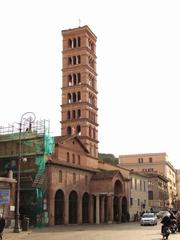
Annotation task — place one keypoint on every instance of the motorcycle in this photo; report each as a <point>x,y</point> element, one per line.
<point>166,232</point>
<point>173,226</point>
<point>178,223</point>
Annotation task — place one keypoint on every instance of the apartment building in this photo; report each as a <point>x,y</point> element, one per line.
<point>153,163</point>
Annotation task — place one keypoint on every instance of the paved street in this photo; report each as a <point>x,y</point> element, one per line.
<point>124,231</point>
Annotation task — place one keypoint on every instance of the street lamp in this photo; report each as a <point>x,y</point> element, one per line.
<point>26,120</point>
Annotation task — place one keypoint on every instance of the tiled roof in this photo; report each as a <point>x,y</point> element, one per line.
<point>63,139</point>
<point>105,175</point>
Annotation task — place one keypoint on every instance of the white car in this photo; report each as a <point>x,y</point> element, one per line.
<point>148,219</point>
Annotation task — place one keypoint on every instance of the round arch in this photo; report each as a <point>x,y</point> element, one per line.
<point>124,205</point>
<point>116,208</point>
<point>59,207</point>
<point>118,187</point>
<point>85,208</point>
<point>73,207</point>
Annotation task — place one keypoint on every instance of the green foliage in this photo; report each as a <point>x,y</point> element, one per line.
<point>108,158</point>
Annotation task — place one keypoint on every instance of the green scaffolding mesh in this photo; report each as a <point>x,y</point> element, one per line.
<point>48,146</point>
<point>36,146</point>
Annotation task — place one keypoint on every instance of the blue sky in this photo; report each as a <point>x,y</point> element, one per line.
<point>138,59</point>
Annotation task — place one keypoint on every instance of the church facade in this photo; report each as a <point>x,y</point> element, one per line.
<point>80,187</point>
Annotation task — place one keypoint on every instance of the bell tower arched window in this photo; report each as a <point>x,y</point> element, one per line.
<point>79,129</point>
<point>68,115</point>
<point>69,130</point>
<point>69,80</point>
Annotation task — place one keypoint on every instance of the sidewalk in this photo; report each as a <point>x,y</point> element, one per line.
<point>10,235</point>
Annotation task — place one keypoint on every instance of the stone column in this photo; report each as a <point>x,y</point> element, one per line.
<point>102,209</point>
<point>110,212</point>
<point>91,209</point>
<point>97,209</point>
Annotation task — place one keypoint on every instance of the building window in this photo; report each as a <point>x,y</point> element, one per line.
<point>74,178</point>
<point>78,59</point>
<point>74,97</point>
<point>69,130</point>
<point>70,43</point>
<point>150,160</point>
<point>68,115</point>
<point>78,129</point>
<point>79,159</point>
<point>60,176</point>
<point>78,113</point>
<point>79,41</point>
<point>140,185</point>
<point>74,60</point>
<point>74,79</point>
<point>69,61</point>
<point>73,114</point>
<point>138,202</point>
<point>74,43</point>
<point>144,186</point>
<point>150,195</point>
<point>79,78</point>
<point>69,80</point>
<point>79,96</point>
<point>131,201</point>
<point>135,183</point>
<point>73,158</point>
<point>69,98</point>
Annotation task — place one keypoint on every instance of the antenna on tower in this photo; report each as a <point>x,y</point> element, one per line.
<point>79,22</point>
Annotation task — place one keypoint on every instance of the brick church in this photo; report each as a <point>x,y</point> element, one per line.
<point>82,188</point>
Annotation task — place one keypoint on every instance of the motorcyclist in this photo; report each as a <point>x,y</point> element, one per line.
<point>166,221</point>
<point>178,221</point>
<point>173,222</point>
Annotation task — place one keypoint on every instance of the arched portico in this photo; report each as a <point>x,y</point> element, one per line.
<point>125,214</point>
<point>73,207</point>
<point>85,208</point>
<point>59,207</point>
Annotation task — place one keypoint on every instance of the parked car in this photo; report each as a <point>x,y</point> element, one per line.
<point>148,219</point>
<point>161,214</point>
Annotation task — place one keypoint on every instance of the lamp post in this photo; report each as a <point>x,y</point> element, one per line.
<point>26,120</point>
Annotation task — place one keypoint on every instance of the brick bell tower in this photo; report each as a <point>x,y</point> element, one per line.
<point>79,87</point>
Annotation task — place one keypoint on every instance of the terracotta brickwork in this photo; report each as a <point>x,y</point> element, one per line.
<point>81,188</point>
<point>79,90</point>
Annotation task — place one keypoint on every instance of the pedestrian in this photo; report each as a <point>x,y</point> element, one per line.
<point>2,225</point>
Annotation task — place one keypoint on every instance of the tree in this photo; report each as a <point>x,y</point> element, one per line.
<point>108,158</point>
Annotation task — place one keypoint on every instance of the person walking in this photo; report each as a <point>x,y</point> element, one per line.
<point>2,225</point>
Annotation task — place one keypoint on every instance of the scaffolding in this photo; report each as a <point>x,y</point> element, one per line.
<point>38,127</point>
<point>36,145</point>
